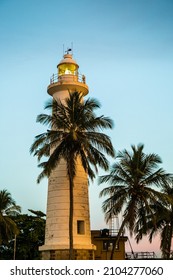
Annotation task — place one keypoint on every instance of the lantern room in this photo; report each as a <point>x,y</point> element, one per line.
<point>67,66</point>
<point>67,78</point>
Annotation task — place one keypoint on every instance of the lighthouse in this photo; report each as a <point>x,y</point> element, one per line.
<point>66,81</point>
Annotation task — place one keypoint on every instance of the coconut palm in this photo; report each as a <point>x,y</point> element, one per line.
<point>133,181</point>
<point>164,222</point>
<point>8,209</point>
<point>75,132</point>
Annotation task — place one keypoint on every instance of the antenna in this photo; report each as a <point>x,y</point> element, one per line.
<point>63,49</point>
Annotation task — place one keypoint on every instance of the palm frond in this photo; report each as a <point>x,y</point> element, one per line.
<point>73,130</point>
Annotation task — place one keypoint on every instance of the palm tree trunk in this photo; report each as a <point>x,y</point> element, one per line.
<point>71,183</point>
<point>167,247</point>
<point>115,243</point>
<point>170,241</point>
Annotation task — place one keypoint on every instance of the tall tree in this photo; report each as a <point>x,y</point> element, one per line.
<point>133,180</point>
<point>164,222</point>
<point>8,210</point>
<point>75,132</point>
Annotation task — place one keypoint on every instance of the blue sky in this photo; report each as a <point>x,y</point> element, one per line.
<point>125,50</point>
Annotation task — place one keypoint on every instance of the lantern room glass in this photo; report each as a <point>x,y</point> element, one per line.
<point>67,69</point>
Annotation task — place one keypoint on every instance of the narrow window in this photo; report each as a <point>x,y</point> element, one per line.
<point>80,227</point>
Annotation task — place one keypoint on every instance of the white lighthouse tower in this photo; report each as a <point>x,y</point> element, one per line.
<point>56,245</point>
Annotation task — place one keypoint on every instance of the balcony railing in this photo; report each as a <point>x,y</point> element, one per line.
<point>140,255</point>
<point>55,78</point>
<point>110,232</point>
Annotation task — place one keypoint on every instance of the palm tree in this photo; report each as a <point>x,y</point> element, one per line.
<point>132,187</point>
<point>75,132</point>
<point>8,209</point>
<point>164,222</point>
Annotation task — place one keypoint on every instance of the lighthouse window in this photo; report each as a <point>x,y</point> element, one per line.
<point>67,69</point>
<point>80,227</point>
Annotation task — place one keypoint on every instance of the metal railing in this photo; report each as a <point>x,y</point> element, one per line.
<point>55,78</point>
<point>110,232</point>
<point>140,255</point>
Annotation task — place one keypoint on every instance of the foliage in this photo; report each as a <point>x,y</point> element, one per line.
<point>8,210</point>
<point>134,181</point>
<point>31,236</point>
<point>74,130</point>
<point>164,223</point>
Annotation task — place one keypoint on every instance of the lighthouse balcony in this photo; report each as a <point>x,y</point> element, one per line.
<point>67,82</point>
<point>55,78</point>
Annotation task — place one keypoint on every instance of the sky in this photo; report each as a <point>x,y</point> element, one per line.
<point>125,50</point>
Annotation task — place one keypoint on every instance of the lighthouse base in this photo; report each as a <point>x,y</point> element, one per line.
<point>54,253</point>
<point>79,254</point>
